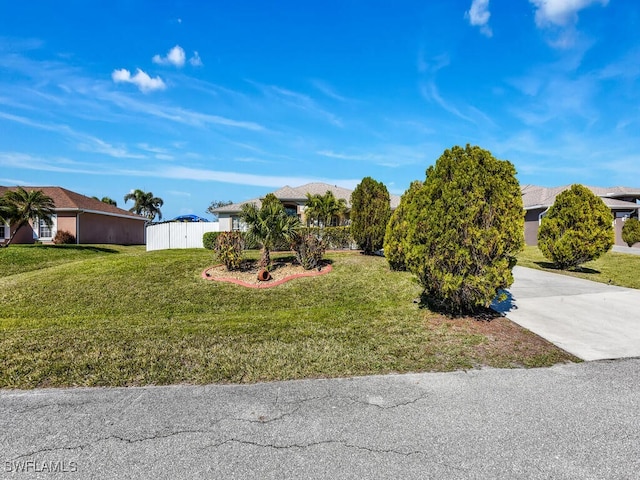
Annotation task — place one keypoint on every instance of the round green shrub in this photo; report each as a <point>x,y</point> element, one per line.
<point>578,228</point>
<point>631,231</point>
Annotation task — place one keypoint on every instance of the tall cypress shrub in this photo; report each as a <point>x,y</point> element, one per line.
<point>465,226</point>
<point>370,212</point>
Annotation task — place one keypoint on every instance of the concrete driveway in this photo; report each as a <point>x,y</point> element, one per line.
<point>591,320</point>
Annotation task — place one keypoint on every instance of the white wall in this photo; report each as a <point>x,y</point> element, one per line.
<point>164,236</point>
<point>224,222</point>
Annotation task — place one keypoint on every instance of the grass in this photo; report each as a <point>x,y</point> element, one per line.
<point>25,258</point>
<point>120,316</point>
<point>614,268</point>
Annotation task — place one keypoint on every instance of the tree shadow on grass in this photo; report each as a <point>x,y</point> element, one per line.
<point>584,270</point>
<point>553,266</point>
<point>88,248</point>
<point>480,314</point>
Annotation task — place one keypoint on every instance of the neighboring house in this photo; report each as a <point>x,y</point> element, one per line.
<point>623,202</point>
<point>87,219</point>
<point>293,199</point>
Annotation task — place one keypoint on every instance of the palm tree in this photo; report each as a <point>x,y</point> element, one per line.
<point>313,209</point>
<point>145,204</point>
<point>322,208</point>
<point>19,207</point>
<point>269,225</point>
<point>107,200</point>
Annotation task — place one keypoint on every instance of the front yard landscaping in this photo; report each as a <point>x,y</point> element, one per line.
<point>115,316</point>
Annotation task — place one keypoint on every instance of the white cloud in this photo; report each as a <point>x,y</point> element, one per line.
<point>327,90</point>
<point>434,64</point>
<point>195,60</point>
<point>299,101</point>
<point>479,15</point>
<point>96,145</point>
<point>560,12</point>
<point>430,92</point>
<point>62,165</point>
<point>141,80</point>
<point>175,57</point>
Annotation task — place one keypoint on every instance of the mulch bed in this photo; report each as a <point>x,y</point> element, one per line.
<point>281,271</point>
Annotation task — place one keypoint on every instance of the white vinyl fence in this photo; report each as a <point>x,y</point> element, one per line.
<point>164,236</point>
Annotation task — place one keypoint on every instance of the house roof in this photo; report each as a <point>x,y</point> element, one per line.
<point>534,196</point>
<point>66,200</point>
<point>300,194</point>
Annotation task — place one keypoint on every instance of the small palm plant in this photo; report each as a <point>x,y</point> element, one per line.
<point>269,225</point>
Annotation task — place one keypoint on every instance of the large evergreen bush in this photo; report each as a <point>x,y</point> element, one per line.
<point>464,228</point>
<point>370,212</point>
<point>578,228</point>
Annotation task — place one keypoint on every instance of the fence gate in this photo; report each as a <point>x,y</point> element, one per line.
<point>164,236</point>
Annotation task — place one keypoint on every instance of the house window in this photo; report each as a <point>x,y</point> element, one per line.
<point>3,231</point>
<point>45,230</point>
<point>291,210</point>
<point>237,225</point>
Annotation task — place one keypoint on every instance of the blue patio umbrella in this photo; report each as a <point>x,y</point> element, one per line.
<point>189,218</point>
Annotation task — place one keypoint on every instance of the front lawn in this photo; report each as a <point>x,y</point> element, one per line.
<point>614,268</point>
<point>128,317</point>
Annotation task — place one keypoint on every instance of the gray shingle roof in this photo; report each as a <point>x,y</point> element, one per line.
<point>534,196</point>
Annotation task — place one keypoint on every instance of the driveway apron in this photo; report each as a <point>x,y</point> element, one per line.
<point>593,321</point>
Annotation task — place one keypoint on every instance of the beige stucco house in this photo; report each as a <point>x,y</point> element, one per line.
<point>293,200</point>
<point>623,202</point>
<point>87,219</point>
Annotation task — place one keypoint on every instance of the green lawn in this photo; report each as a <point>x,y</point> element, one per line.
<point>615,268</point>
<point>107,316</point>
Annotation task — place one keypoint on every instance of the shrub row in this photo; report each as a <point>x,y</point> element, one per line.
<point>335,238</point>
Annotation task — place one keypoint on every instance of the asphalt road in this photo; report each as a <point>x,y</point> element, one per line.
<point>574,421</point>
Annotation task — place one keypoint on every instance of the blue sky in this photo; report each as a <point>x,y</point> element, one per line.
<point>202,101</point>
